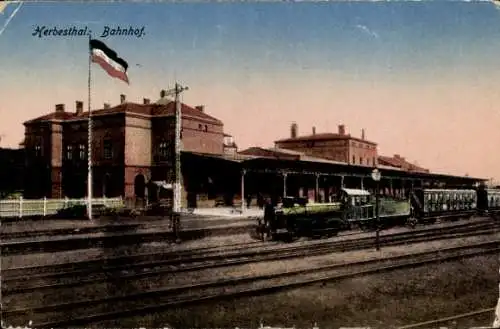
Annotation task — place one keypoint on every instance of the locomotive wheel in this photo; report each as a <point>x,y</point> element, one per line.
<point>412,222</point>
<point>265,232</point>
<point>362,226</point>
<point>332,234</point>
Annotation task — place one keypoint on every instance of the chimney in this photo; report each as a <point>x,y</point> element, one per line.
<point>201,108</point>
<point>362,134</point>
<point>146,101</point>
<point>59,108</point>
<point>314,130</point>
<point>293,130</point>
<point>107,106</point>
<point>79,107</point>
<point>341,130</point>
<point>163,93</point>
<point>123,98</point>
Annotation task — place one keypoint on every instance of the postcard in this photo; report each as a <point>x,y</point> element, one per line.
<point>250,164</point>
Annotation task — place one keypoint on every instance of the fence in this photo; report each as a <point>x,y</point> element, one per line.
<point>45,207</point>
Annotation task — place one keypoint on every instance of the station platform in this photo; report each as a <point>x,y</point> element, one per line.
<point>200,219</point>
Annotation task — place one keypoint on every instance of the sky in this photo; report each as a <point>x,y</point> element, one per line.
<point>420,77</point>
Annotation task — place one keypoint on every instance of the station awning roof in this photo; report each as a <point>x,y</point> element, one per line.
<point>308,165</point>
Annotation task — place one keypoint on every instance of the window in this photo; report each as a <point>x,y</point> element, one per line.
<point>69,152</point>
<point>200,126</point>
<point>163,149</point>
<point>38,150</point>
<point>82,152</point>
<point>206,128</point>
<point>353,159</point>
<point>108,149</point>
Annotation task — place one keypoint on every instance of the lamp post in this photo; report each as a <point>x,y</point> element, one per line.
<point>376,176</point>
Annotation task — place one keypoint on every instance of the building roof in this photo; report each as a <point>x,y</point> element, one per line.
<point>229,157</point>
<point>400,162</point>
<point>164,107</point>
<point>62,116</point>
<point>277,164</point>
<point>280,153</point>
<point>323,137</point>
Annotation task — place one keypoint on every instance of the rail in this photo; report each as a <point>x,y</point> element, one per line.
<point>73,312</point>
<point>46,207</point>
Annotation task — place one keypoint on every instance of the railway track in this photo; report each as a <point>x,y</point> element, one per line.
<point>93,310</point>
<point>112,239</point>
<point>24,280</point>
<point>442,321</point>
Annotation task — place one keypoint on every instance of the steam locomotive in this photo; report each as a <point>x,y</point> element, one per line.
<point>296,217</point>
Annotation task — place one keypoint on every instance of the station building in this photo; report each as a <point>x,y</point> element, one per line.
<point>132,144</point>
<point>133,157</point>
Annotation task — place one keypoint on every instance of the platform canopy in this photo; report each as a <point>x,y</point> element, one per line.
<point>355,192</point>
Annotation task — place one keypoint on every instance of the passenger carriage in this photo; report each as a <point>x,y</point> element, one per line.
<point>490,201</point>
<point>431,203</point>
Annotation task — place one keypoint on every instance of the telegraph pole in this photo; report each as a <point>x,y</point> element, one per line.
<point>177,90</point>
<point>376,176</point>
<point>178,124</point>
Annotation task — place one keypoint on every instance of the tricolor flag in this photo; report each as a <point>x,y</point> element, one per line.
<point>109,60</point>
<point>5,16</point>
<point>2,6</point>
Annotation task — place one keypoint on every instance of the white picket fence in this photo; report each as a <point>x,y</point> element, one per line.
<point>44,207</point>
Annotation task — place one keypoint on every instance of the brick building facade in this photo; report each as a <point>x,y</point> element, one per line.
<point>340,147</point>
<point>132,144</point>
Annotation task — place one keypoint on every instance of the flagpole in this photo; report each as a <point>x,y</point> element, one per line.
<point>89,133</point>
